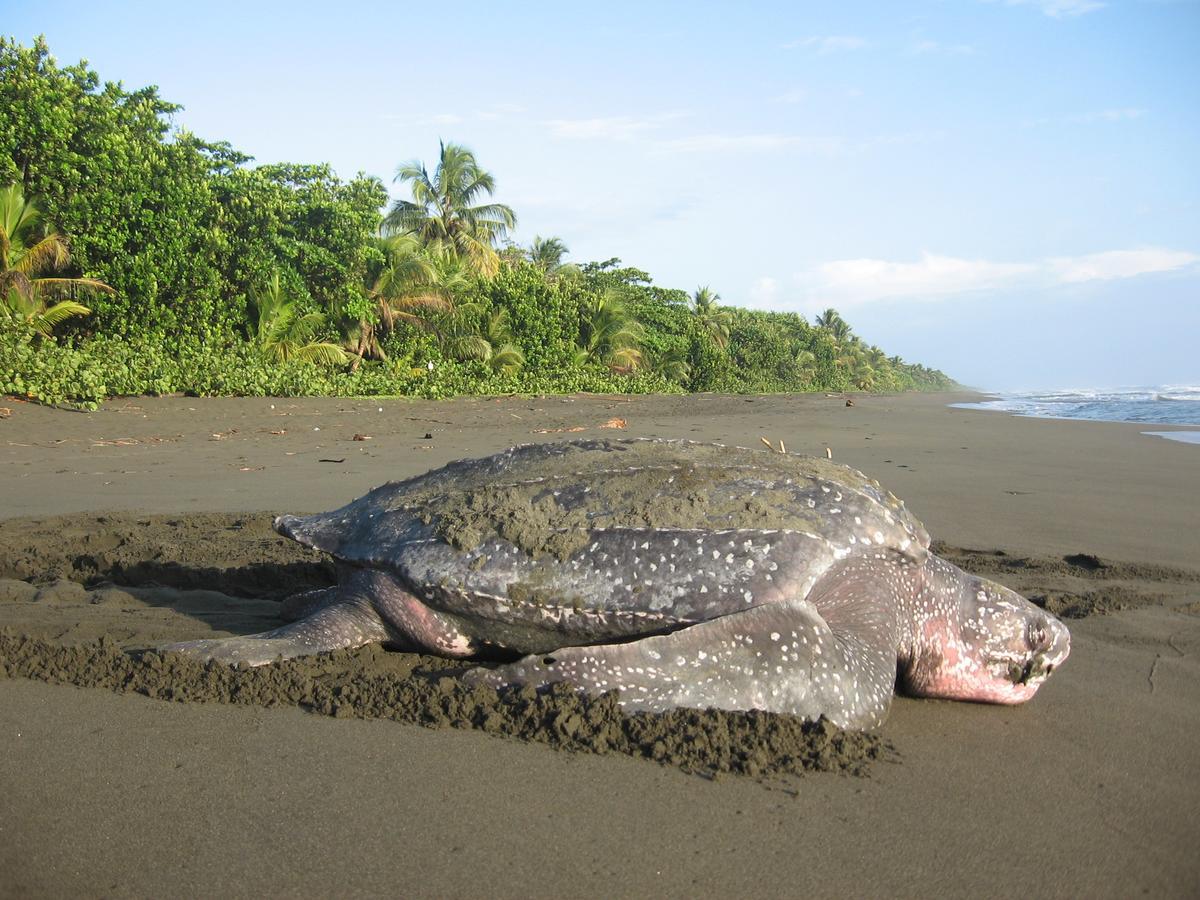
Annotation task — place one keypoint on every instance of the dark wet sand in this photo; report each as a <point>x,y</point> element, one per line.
<point>1091,789</point>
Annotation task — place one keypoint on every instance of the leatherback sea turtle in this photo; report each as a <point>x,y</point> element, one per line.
<point>679,573</point>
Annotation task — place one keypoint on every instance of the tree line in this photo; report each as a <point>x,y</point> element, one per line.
<point>135,259</point>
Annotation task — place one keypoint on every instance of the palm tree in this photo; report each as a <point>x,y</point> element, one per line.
<point>863,375</point>
<point>671,364</point>
<point>282,332</point>
<point>444,214</point>
<point>806,364</point>
<point>608,335</point>
<point>504,357</point>
<point>26,255</point>
<point>403,283</point>
<point>462,336</point>
<point>712,318</point>
<point>547,254</point>
<point>832,322</point>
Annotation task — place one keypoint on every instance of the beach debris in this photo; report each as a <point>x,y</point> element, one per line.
<point>342,460</point>
<point>5,412</point>
<point>129,442</point>
<point>614,422</point>
<point>361,437</point>
<point>316,428</point>
<point>279,431</point>
<point>428,436</point>
<point>250,468</point>
<point>771,447</point>
<point>849,402</point>
<point>573,428</point>
<point>828,453</point>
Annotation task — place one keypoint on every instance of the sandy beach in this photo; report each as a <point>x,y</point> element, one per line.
<point>147,521</point>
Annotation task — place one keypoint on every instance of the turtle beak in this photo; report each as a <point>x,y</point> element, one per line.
<point>1048,653</point>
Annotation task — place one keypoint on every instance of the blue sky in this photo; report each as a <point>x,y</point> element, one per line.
<point>1007,190</point>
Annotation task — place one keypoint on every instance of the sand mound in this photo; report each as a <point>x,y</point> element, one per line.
<point>710,742</point>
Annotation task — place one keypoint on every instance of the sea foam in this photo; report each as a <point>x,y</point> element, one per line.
<point>1171,404</point>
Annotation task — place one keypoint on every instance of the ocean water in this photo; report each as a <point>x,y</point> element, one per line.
<point>1170,404</point>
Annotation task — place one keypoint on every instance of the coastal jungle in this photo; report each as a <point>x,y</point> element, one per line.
<point>139,258</point>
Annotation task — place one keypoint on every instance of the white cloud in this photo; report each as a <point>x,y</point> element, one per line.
<point>1118,264</point>
<point>851,282</point>
<point>932,276</point>
<point>610,128</point>
<point>833,43</point>
<point>764,291</point>
<point>737,143</point>
<point>446,119</point>
<point>1060,9</point>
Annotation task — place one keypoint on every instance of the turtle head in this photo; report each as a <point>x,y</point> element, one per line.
<point>977,640</point>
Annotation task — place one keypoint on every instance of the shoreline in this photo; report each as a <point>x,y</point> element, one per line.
<point>1088,789</point>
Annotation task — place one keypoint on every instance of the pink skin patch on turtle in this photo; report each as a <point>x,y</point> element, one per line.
<point>950,668</point>
<point>431,629</point>
<point>412,622</point>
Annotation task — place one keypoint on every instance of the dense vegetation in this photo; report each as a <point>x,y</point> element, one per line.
<point>137,259</point>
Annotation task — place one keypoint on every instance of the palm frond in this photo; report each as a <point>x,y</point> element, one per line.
<point>324,353</point>
<point>507,359</point>
<point>48,255</point>
<point>71,287</point>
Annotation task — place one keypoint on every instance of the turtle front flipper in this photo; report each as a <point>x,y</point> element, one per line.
<point>336,626</point>
<point>781,657</point>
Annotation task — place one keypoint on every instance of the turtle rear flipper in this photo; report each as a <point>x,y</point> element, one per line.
<point>337,626</point>
<point>368,606</point>
<point>784,657</point>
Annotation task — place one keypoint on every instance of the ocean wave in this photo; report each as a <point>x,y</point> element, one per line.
<point>1171,404</point>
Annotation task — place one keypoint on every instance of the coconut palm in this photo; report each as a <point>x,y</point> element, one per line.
<point>877,358</point>
<point>27,255</point>
<point>609,335</point>
<point>461,336</point>
<point>806,364</point>
<point>402,283</point>
<point>863,375</point>
<point>444,212</point>
<point>283,332</point>
<point>671,364</point>
<point>547,254</point>
<point>504,356</point>
<point>712,318</point>
<point>837,327</point>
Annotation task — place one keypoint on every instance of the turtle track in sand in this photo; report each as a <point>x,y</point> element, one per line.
<point>1080,584</point>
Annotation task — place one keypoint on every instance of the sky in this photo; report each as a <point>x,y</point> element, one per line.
<point>1007,190</point>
